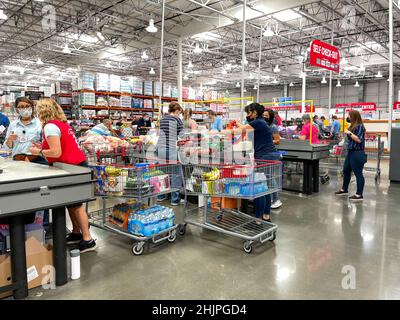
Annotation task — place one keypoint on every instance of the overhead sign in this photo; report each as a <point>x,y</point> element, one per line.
<point>364,106</point>
<point>285,108</point>
<point>396,105</point>
<point>324,55</point>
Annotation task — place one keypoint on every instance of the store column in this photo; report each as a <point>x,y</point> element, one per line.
<point>180,70</point>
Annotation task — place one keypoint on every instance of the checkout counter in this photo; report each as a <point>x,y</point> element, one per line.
<point>27,187</point>
<point>300,151</point>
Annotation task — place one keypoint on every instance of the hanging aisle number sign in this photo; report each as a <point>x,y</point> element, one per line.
<point>324,55</point>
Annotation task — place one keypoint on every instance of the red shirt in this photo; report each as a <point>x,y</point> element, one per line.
<point>305,131</point>
<point>71,153</point>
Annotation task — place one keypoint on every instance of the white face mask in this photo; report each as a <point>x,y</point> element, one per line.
<point>25,113</point>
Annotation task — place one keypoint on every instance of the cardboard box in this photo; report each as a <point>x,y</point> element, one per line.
<point>31,230</point>
<point>37,256</point>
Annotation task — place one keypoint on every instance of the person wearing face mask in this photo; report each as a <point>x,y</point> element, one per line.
<point>264,149</point>
<point>144,124</point>
<point>24,131</point>
<point>216,124</point>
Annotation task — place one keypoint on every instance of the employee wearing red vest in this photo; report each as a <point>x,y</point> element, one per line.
<point>59,145</point>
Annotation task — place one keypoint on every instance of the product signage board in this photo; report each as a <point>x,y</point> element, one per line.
<point>285,108</point>
<point>364,106</point>
<point>309,109</point>
<point>396,106</point>
<point>324,55</point>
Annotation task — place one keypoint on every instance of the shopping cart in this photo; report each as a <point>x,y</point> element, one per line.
<point>248,181</point>
<point>137,184</point>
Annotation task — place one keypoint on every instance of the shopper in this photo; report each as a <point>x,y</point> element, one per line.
<point>59,145</point>
<point>103,129</point>
<point>264,149</point>
<point>171,127</point>
<point>269,116</point>
<point>188,122</point>
<point>4,123</point>
<point>216,121</point>
<point>277,119</point>
<point>143,125</point>
<point>306,130</point>
<point>356,157</point>
<point>335,128</point>
<point>23,131</point>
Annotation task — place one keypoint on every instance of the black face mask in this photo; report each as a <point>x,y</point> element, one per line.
<point>348,120</point>
<point>249,119</point>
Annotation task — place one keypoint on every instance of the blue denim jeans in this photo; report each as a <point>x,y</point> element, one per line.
<point>263,204</point>
<point>176,174</point>
<point>355,161</point>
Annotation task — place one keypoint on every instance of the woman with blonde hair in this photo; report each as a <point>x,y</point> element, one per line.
<point>59,145</point>
<point>188,122</point>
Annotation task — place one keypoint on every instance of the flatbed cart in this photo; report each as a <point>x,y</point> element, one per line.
<point>249,181</point>
<point>138,184</point>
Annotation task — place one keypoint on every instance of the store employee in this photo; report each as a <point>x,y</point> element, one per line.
<point>24,131</point>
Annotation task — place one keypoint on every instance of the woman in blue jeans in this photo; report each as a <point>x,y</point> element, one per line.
<point>264,149</point>
<point>356,157</point>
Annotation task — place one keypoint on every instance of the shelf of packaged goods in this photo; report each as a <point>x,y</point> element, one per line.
<point>64,95</point>
<point>119,109</point>
<point>205,112</point>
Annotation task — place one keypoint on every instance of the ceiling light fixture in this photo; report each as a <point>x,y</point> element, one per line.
<point>152,71</point>
<point>277,69</point>
<point>275,81</point>
<point>269,32</point>
<point>197,49</point>
<point>291,84</point>
<point>237,85</point>
<point>244,90</point>
<point>66,49</point>
<point>338,84</point>
<point>245,61</point>
<point>378,75</point>
<point>255,87</point>
<point>362,67</point>
<point>185,77</point>
<point>151,27</point>
<point>357,84</point>
<point>22,71</point>
<point>224,72</point>
<point>7,73</point>
<point>190,65</point>
<point>144,55</point>
<point>323,80</point>
<point>39,61</point>
<point>100,36</point>
<point>108,64</point>
<point>3,16</point>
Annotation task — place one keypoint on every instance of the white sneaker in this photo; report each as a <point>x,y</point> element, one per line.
<point>277,204</point>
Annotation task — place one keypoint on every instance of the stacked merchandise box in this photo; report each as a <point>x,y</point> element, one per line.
<point>114,101</point>
<point>125,101</point>
<point>85,81</point>
<point>192,93</point>
<point>115,83</point>
<point>102,82</point>
<point>126,84</point>
<point>137,103</point>
<point>213,107</point>
<point>87,99</point>
<point>88,113</point>
<point>157,88</point>
<point>148,103</point>
<point>214,95</point>
<point>174,92</point>
<point>137,85</point>
<point>148,88</point>
<point>47,92</point>
<point>63,87</point>
<point>166,89</point>
<point>185,93</point>
<point>64,101</point>
<point>102,101</point>
<point>207,95</point>
<point>199,94</point>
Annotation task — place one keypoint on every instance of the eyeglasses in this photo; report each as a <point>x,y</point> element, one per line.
<point>23,106</point>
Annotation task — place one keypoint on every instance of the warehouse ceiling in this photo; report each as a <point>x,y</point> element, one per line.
<point>110,36</point>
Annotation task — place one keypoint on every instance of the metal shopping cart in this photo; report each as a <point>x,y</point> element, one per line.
<point>136,184</point>
<point>247,181</point>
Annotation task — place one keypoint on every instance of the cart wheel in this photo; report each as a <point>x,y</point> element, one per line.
<point>247,247</point>
<point>172,236</point>
<point>219,217</point>
<point>182,229</point>
<point>273,237</point>
<point>138,248</point>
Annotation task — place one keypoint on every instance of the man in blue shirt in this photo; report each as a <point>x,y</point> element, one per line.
<point>216,121</point>
<point>4,123</point>
<point>335,127</point>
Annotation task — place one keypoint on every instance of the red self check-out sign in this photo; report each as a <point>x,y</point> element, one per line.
<point>324,55</point>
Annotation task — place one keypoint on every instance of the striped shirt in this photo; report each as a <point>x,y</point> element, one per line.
<point>170,129</point>
<point>352,145</point>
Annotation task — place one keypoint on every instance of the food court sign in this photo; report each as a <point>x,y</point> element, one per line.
<point>363,106</point>
<point>324,55</point>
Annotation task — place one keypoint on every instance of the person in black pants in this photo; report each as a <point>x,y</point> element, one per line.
<point>356,157</point>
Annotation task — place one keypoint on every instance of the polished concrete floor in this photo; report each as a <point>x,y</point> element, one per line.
<point>320,240</point>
